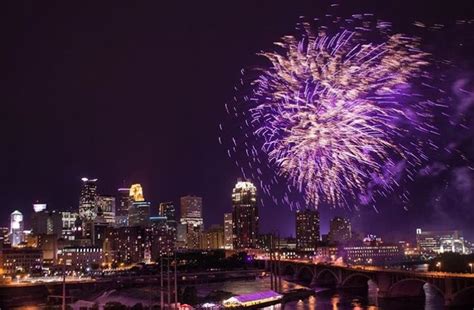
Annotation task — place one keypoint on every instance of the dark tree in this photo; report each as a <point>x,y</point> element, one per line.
<point>190,295</point>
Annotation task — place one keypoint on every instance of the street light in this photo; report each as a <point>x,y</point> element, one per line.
<point>470,265</point>
<point>438,264</point>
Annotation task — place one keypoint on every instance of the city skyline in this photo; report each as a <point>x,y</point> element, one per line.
<point>52,129</point>
<point>290,228</point>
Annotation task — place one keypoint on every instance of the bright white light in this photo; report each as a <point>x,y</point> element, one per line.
<point>38,207</point>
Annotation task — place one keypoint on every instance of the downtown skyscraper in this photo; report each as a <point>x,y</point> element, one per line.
<point>340,230</point>
<point>244,215</point>
<point>106,205</point>
<point>124,203</point>
<point>139,212</point>
<point>228,234</point>
<point>88,199</point>
<point>191,220</point>
<point>307,229</point>
<point>16,228</point>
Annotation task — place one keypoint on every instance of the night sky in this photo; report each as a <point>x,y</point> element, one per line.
<point>134,92</point>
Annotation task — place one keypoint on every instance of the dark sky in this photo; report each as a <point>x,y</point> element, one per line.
<point>134,92</point>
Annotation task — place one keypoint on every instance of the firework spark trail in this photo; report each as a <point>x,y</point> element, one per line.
<point>334,111</point>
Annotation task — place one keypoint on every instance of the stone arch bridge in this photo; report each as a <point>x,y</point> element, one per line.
<point>455,288</point>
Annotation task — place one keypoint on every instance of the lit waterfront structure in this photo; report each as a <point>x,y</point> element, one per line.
<point>106,204</point>
<point>340,230</point>
<point>411,251</point>
<point>124,203</point>
<point>435,242</point>
<point>228,231</point>
<point>16,228</point>
<point>136,192</point>
<point>213,238</point>
<point>244,215</point>
<point>81,258</point>
<point>307,229</point>
<point>191,218</point>
<point>88,199</point>
<point>252,299</point>
<point>139,214</point>
<point>25,260</point>
<point>326,253</point>
<point>373,254</point>
<point>68,224</point>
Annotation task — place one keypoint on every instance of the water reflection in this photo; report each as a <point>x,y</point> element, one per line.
<point>335,301</point>
<point>340,299</point>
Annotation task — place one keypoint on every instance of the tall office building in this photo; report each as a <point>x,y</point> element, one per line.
<point>191,217</point>
<point>88,199</point>
<point>164,228</point>
<point>124,203</point>
<point>163,236</point>
<point>38,207</point>
<point>307,229</point>
<point>193,235</point>
<point>244,215</point>
<point>69,224</point>
<point>191,207</point>
<point>181,237</point>
<point>139,214</point>
<point>136,192</point>
<point>16,228</point>
<point>228,231</point>
<point>106,204</point>
<point>47,223</point>
<point>339,230</point>
<point>4,236</point>
<point>167,209</point>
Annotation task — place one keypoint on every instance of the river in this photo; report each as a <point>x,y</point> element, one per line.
<point>330,298</point>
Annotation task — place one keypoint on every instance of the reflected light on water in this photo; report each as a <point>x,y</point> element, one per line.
<point>335,302</point>
<point>311,303</point>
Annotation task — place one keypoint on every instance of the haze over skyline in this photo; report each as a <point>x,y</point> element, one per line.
<point>134,94</point>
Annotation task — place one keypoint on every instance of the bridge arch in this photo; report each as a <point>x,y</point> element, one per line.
<point>411,287</point>
<point>288,270</point>
<point>356,278</point>
<point>463,297</point>
<point>305,274</point>
<point>326,277</point>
